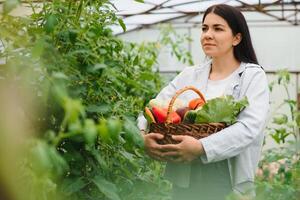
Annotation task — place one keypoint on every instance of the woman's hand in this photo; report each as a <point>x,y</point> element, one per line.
<point>186,150</point>
<point>152,148</point>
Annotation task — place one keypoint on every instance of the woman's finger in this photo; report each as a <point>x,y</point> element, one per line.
<point>178,138</point>
<point>155,136</point>
<point>151,142</point>
<point>169,147</point>
<point>156,147</point>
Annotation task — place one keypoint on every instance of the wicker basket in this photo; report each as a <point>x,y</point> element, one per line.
<point>195,130</point>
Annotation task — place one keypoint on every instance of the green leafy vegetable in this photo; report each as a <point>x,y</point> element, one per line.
<point>222,109</point>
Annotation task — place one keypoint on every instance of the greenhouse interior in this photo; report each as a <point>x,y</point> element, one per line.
<point>93,104</point>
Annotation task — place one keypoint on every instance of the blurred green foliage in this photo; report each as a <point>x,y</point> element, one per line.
<point>279,174</point>
<point>170,38</point>
<point>284,124</point>
<point>85,89</point>
<point>279,169</point>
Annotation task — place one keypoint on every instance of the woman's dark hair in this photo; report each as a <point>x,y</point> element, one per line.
<point>244,51</point>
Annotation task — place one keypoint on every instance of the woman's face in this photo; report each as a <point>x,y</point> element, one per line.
<point>217,39</point>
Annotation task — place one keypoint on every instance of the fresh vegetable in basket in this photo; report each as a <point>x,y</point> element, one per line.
<point>196,103</point>
<point>190,117</point>
<point>156,111</point>
<point>165,103</point>
<point>222,109</point>
<point>149,115</point>
<point>161,115</point>
<point>167,128</point>
<point>182,111</point>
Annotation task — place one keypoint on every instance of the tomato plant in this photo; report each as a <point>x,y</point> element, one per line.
<point>87,86</point>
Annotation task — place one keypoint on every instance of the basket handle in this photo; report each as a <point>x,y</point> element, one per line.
<point>175,97</point>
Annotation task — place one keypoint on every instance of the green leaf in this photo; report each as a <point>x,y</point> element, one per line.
<point>147,76</point>
<point>38,48</point>
<point>73,33</point>
<point>140,1</point>
<point>103,108</point>
<point>280,119</point>
<point>73,185</point>
<point>103,130</point>
<point>133,83</point>
<point>283,76</point>
<point>136,60</point>
<point>73,109</point>
<point>9,5</point>
<point>103,164</point>
<point>59,75</point>
<point>271,86</point>
<point>60,166</point>
<point>114,128</point>
<point>107,188</point>
<point>128,155</point>
<point>121,22</point>
<point>291,102</point>
<point>280,135</point>
<point>99,66</point>
<point>75,127</point>
<point>90,131</point>
<point>59,93</point>
<point>41,161</point>
<point>51,22</point>
<point>132,133</point>
<point>103,51</point>
<point>222,109</point>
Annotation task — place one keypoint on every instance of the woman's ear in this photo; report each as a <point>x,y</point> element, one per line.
<point>237,39</point>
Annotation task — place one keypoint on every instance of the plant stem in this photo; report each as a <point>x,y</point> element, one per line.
<point>79,11</point>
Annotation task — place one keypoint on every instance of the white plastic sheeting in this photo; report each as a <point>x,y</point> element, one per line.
<point>136,14</point>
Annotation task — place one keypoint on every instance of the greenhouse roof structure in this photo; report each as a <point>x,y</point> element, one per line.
<point>277,20</point>
<point>138,14</point>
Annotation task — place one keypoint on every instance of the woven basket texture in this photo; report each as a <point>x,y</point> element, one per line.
<point>197,131</point>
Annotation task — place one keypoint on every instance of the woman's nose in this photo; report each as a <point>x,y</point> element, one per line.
<point>207,34</point>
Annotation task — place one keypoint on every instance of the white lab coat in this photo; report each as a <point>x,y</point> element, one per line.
<point>239,143</point>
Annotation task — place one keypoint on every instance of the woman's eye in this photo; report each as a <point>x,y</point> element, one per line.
<point>204,29</point>
<point>218,29</point>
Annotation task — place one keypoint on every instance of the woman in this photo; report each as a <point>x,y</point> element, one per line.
<point>212,167</point>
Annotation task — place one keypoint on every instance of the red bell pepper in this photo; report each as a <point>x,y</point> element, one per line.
<point>161,115</point>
